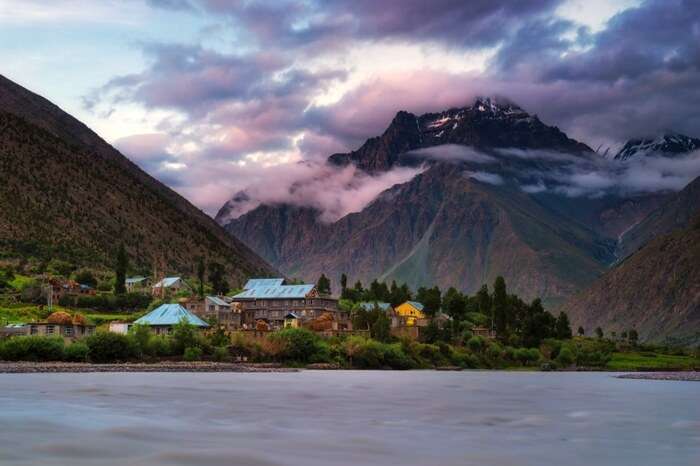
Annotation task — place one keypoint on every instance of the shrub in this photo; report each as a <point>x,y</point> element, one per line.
<point>192,353</point>
<point>32,348</point>
<point>476,344</point>
<point>300,345</point>
<point>184,336</point>
<point>566,357</point>
<point>395,358</point>
<point>369,355</point>
<point>106,347</point>
<point>158,346</point>
<point>76,352</point>
<point>221,354</point>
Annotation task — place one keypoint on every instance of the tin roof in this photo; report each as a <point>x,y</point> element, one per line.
<point>368,306</point>
<point>132,280</point>
<point>170,314</point>
<point>257,282</point>
<point>276,292</point>
<point>166,282</point>
<point>416,304</point>
<point>218,300</point>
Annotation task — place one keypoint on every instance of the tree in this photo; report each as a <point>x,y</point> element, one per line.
<point>499,307</point>
<point>343,283</point>
<point>323,285</point>
<point>399,294</point>
<point>200,275</point>
<point>216,278</point>
<point>633,337</point>
<point>563,328</point>
<point>581,331</point>
<point>431,299</point>
<point>599,332</point>
<point>120,271</point>
<point>455,304</point>
<point>537,325</point>
<point>85,277</point>
<point>483,299</point>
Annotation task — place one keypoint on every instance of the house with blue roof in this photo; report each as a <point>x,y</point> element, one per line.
<point>169,286</point>
<point>220,308</point>
<point>162,319</point>
<point>371,305</point>
<point>265,303</point>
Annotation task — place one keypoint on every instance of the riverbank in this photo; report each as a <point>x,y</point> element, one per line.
<point>693,376</point>
<point>174,366</point>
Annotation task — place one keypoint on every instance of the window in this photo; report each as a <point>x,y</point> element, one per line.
<point>49,329</point>
<point>68,331</point>
<point>33,330</point>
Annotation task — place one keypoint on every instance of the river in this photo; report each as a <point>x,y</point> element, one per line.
<point>327,418</point>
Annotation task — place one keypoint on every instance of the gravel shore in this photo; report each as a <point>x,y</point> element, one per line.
<point>38,367</point>
<point>680,376</point>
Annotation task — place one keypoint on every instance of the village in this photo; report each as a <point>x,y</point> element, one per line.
<point>263,305</point>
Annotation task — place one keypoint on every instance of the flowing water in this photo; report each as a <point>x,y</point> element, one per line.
<point>313,418</point>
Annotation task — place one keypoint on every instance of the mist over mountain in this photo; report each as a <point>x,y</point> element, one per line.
<point>495,192</point>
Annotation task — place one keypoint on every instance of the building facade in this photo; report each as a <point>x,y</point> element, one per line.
<point>218,308</point>
<point>266,303</point>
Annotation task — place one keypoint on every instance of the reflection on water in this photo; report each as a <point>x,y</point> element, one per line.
<point>347,418</point>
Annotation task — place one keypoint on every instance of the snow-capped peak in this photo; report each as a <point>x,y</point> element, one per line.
<point>664,145</point>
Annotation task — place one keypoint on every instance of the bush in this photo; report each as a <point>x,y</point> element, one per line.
<point>369,355</point>
<point>476,344</point>
<point>32,348</point>
<point>192,353</point>
<point>184,336</point>
<point>299,345</point>
<point>395,358</point>
<point>106,347</point>
<point>221,354</point>
<point>76,352</point>
<point>566,357</point>
<point>158,346</point>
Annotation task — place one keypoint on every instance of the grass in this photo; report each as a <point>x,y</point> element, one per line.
<point>648,361</point>
<point>20,281</point>
<point>23,313</point>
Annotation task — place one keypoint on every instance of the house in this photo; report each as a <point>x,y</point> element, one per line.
<point>482,331</point>
<point>164,317</point>
<point>169,286</point>
<point>264,303</point>
<point>371,305</point>
<point>291,320</point>
<point>136,284</point>
<point>61,324</point>
<point>11,330</point>
<point>118,326</point>
<point>411,313</point>
<point>260,282</point>
<point>219,308</point>
<point>61,288</point>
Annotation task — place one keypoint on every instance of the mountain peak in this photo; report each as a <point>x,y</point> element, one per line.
<point>667,145</point>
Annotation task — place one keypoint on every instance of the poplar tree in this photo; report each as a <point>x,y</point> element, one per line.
<point>120,271</point>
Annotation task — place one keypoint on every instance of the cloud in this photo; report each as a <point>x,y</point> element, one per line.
<point>448,152</point>
<point>334,191</point>
<point>486,177</point>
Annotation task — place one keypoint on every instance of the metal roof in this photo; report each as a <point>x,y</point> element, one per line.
<point>416,304</point>
<point>166,282</point>
<point>170,314</point>
<point>276,292</point>
<point>132,280</point>
<point>218,300</point>
<point>258,282</point>
<point>368,306</point>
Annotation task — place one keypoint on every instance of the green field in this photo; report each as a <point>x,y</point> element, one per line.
<point>646,361</point>
<point>24,313</point>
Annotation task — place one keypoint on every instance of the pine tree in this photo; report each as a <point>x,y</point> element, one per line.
<point>343,283</point>
<point>216,278</point>
<point>581,332</point>
<point>499,307</point>
<point>323,285</point>
<point>120,271</point>
<point>200,275</point>
<point>563,328</point>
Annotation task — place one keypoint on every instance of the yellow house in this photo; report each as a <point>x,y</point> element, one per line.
<point>410,311</point>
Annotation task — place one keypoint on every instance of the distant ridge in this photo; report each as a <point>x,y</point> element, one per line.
<point>67,194</point>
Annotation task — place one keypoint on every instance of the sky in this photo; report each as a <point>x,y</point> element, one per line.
<point>215,96</point>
